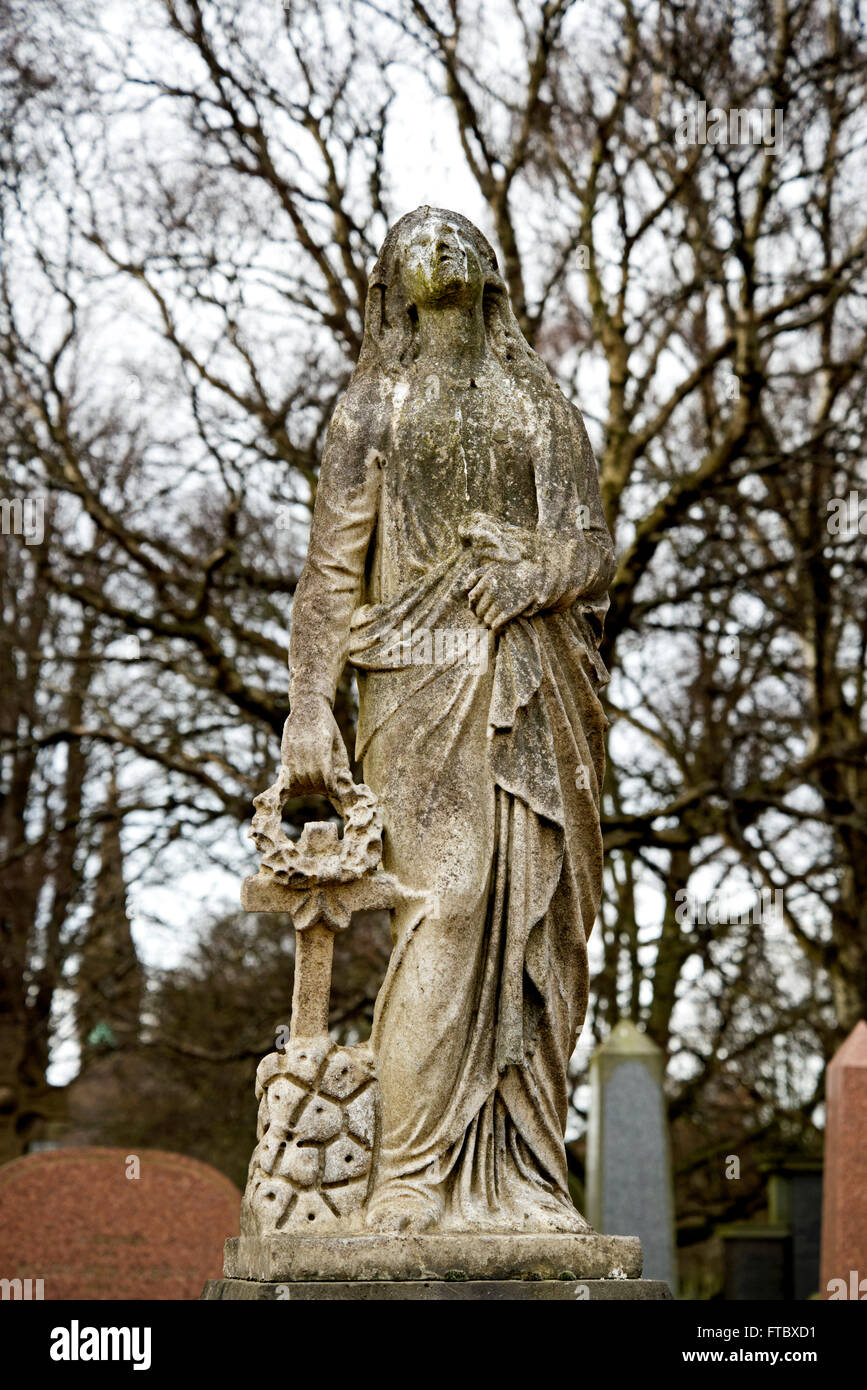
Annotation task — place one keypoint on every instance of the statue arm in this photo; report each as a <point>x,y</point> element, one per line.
<point>328,592</point>
<point>573,545</point>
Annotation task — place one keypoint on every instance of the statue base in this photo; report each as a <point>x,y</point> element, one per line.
<point>453,1257</point>
<point>425,1290</point>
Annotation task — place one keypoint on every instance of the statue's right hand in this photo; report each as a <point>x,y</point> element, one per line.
<point>313,750</point>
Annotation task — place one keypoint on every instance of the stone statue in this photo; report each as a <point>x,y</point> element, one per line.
<point>459,560</point>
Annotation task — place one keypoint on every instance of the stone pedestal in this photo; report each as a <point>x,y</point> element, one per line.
<point>459,1255</point>
<point>450,1266</point>
<point>430,1290</point>
<point>844,1204</point>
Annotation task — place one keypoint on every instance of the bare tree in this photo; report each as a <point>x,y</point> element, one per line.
<point>193,203</point>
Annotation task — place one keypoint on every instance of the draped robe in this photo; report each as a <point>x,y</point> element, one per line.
<point>487,755</point>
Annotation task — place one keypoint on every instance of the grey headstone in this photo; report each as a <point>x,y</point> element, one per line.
<point>629,1186</point>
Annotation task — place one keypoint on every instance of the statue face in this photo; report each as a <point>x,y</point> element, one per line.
<point>439,266</point>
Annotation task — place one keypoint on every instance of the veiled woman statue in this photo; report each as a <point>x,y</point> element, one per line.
<point>459,560</point>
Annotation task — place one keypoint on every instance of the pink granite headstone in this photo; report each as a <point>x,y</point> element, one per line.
<point>83,1222</point>
<point>844,1204</point>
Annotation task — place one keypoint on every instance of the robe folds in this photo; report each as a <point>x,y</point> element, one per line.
<point>502,744</point>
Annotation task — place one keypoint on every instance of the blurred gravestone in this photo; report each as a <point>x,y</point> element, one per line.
<point>795,1201</point>
<point>844,1208</point>
<point>778,1260</point>
<point>758,1263</point>
<point>628,1158</point>
<point>81,1221</point>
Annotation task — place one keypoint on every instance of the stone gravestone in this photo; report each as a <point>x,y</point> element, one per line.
<point>757,1262</point>
<point>459,561</point>
<point>778,1260</point>
<point>629,1186</point>
<point>844,1202</point>
<point>795,1201</point>
<point>81,1221</point>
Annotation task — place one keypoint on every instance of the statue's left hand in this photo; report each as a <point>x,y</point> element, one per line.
<point>501,591</point>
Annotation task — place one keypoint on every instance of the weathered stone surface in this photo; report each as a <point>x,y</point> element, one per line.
<point>266,1202</point>
<point>361,1116</point>
<point>348,1198</point>
<point>312,1146</point>
<point>301,1164</point>
<point>280,1107</point>
<point>263,893</point>
<point>346,1073</point>
<point>443,1290</point>
<point>285,1101</point>
<point>269,1150</point>
<point>301,1060</point>
<point>345,1159</point>
<point>428,1256</point>
<point>320,1120</point>
<point>309,1207</point>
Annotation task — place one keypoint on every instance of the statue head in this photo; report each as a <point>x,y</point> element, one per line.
<point>439,264</point>
<point>433,258</point>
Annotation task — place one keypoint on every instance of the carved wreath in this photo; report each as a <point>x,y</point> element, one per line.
<point>318,856</point>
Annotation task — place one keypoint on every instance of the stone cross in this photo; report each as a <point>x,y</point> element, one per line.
<point>317,1100</point>
<point>320,880</point>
